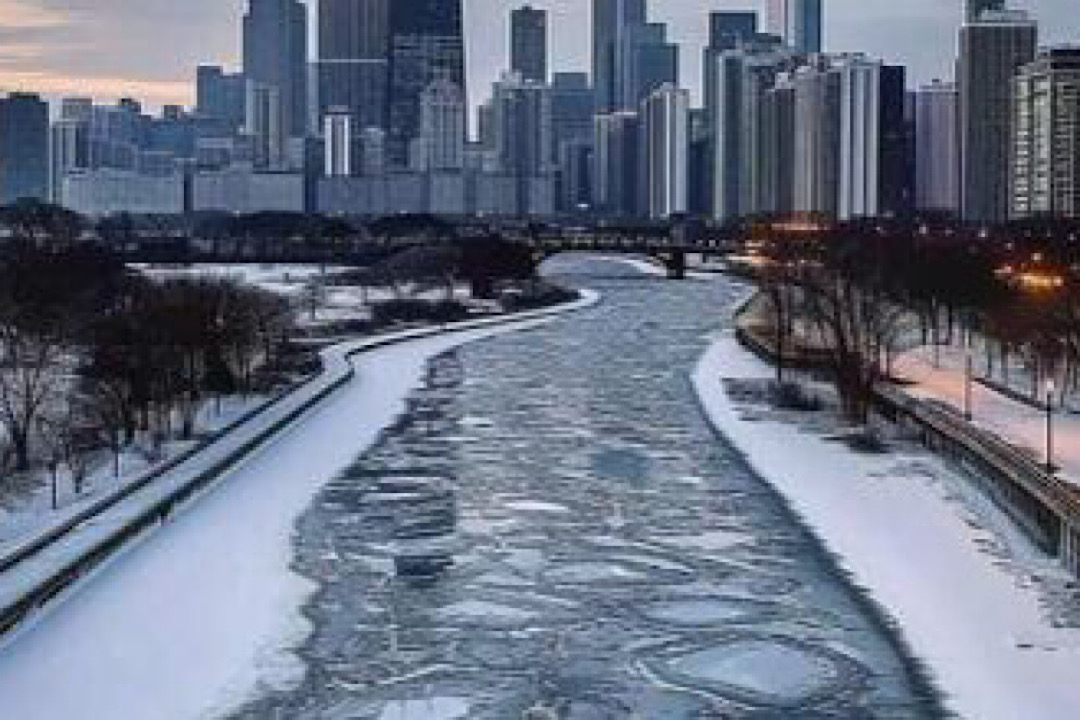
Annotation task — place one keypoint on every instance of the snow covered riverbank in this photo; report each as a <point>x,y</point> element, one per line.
<point>971,600</point>
<point>194,620</point>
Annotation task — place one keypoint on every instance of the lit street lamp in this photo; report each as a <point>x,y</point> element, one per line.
<point>1050,426</point>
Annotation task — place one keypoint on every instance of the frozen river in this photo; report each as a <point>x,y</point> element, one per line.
<point>553,525</point>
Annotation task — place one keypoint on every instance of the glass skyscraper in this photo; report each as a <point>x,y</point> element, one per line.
<point>426,44</point>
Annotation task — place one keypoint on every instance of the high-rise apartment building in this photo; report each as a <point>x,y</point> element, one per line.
<point>24,148</point>
<point>617,158</point>
<point>992,49</point>
<point>529,43</point>
<point>665,129</point>
<point>937,148</point>
<point>1046,136</point>
<point>338,143</point>
<point>276,56</point>
<point>426,44</point>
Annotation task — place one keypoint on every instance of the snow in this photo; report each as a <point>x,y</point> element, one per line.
<point>436,708</point>
<point>970,610</point>
<point>1018,423</point>
<point>199,616</point>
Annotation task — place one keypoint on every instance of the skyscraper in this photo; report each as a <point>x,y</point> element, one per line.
<point>611,21</point>
<point>528,43</point>
<point>617,158</point>
<point>975,8</point>
<point>24,148</point>
<point>666,126</point>
<point>799,22</point>
<point>937,148</point>
<point>1046,136</point>
<point>440,147</point>
<point>275,56</point>
<point>426,44</point>
<point>522,136</point>
<point>353,66</point>
<point>220,96</point>
<point>646,61</point>
<point>992,49</point>
<point>806,25</point>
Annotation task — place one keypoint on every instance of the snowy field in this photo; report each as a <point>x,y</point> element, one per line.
<point>217,579</point>
<point>974,601</point>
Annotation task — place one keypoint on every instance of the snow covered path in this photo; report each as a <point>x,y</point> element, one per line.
<point>189,623</point>
<point>965,608</point>
<point>1017,423</point>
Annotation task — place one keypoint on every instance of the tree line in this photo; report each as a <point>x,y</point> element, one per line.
<point>867,290</point>
<point>94,357</point>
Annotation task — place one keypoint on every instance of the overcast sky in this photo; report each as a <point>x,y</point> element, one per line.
<point>149,48</point>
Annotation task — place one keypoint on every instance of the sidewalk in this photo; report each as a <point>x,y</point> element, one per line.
<point>1016,422</point>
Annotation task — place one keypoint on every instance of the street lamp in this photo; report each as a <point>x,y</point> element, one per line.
<point>1050,425</point>
<point>967,381</point>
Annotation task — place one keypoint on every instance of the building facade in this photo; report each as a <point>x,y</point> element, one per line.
<point>353,65</point>
<point>1045,157</point>
<point>529,43</point>
<point>937,148</point>
<point>275,55</point>
<point>24,148</point>
<point>666,126</point>
<point>426,44</point>
<point>992,49</point>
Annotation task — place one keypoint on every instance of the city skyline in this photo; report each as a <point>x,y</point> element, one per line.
<point>47,45</point>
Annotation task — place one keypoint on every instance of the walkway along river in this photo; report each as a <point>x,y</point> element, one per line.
<point>554,525</point>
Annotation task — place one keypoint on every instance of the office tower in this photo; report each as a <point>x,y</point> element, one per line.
<point>665,127</point>
<point>729,30</point>
<point>353,66</point>
<point>611,21</point>
<point>528,43</point>
<point>992,49</point>
<point>220,97</point>
<point>522,135</point>
<point>77,108</point>
<point>937,148</point>
<point>275,56</point>
<point>616,157</point>
<point>265,126</point>
<point>24,148</point>
<point>975,8</point>
<point>646,62</point>
<point>69,151</point>
<point>1046,136</point>
<point>426,44</point>
<point>337,142</point>
<point>799,22</point>
<point>572,104</point>
<point>572,101</point>
<point>440,147</point>
<point>806,25</point>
